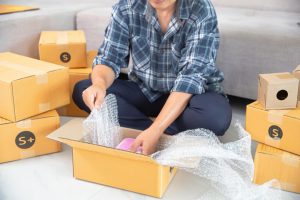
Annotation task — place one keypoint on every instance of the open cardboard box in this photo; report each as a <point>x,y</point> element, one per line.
<point>113,167</point>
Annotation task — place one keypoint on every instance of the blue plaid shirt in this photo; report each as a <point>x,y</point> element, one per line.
<point>181,60</point>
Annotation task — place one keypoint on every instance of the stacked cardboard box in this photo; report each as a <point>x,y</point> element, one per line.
<point>30,90</point>
<point>274,122</point>
<point>68,48</point>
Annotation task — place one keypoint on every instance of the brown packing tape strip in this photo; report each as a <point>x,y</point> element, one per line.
<point>290,160</point>
<point>43,107</point>
<point>62,37</point>
<point>41,76</point>
<point>24,124</point>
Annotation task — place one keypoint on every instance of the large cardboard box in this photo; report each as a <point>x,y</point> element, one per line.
<point>76,75</point>
<point>113,167</point>
<point>27,138</point>
<point>67,48</point>
<point>296,73</point>
<point>277,128</point>
<point>271,163</point>
<point>278,90</point>
<point>29,87</point>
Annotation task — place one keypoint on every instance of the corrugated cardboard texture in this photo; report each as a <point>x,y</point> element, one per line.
<point>76,75</point>
<point>277,128</point>
<point>272,163</point>
<point>113,167</point>
<point>278,91</point>
<point>67,48</point>
<point>27,138</point>
<point>29,87</point>
<point>296,73</point>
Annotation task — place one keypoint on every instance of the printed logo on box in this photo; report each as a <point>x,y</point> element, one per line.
<point>25,139</point>
<point>275,132</point>
<point>65,57</point>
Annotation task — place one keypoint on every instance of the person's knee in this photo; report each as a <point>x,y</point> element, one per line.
<point>77,93</point>
<point>212,112</point>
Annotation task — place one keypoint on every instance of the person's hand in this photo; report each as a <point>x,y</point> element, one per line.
<point>93,96</point>
<point>148,140</point>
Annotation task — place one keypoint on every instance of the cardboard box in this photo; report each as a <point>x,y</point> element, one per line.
<point>67,48</point>
<point>113,167</point>
<point>278,90</point>
<point>90,57</point>
<point>27,138</point>
<point>29,87</point>
<point>296,73</point>
<point>76,75</point>
<point>271,163</point>
<point>277,128</point>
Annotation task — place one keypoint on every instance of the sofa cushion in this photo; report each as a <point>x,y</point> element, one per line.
<point>254,42</point>
<point>272,5</point>
<point>20,31</point>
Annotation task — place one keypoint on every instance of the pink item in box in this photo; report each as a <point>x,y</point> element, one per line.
<point>126,144</point>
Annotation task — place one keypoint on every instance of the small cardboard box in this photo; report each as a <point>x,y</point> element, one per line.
<point>271,163</point>
<point>113,167</point>
<point>277,128</point>
<point>29,87</point>
<point>27,138</point>
<point>71,109</point>
<point>67,48</point>
<point>296,73</point>
<point>278,90</point>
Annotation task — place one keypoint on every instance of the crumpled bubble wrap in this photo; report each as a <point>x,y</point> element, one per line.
<point>228,167</point>
<point>102,125</point>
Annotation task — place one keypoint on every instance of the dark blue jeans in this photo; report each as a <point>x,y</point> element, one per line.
<point>209,110</point>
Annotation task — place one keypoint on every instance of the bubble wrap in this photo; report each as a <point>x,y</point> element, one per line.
<point>102,126</point>
<point>228,167</point>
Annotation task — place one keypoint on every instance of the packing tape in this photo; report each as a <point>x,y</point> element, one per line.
<point>290,160</point>
<point>272,142</point>
<point>43,107</point>
<point>42,79</point>
<point>27,153</point>
<point>62,38</point>
<point>276,116</point>
<point>24,124</point>
<point>288,186</point>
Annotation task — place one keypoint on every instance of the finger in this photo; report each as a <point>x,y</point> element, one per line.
<point>85,95</point>
<point>135,145</point>
<point>98,101</point>
<point>91,100</point>
<point>145,151</point>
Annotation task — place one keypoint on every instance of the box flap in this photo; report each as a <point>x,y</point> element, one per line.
<point>84,71</point>
<point>72,133</point>
<point>51,113</point>
<point>62,37</point>
<point>14,67</point>
<point>297,70</point>
<point>279,78</point>
<point>293,113</point>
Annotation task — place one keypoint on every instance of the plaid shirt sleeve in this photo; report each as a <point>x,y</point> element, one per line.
<point>198,57</point>
<point>114,51</point>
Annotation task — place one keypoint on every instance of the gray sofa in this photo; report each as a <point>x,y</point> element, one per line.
<point>257,36</point>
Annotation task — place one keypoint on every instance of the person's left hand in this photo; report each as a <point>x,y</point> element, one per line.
<point>148,140</point>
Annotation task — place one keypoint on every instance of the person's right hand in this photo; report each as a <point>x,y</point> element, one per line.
<point>93,96</point>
